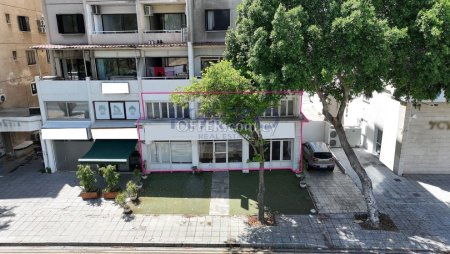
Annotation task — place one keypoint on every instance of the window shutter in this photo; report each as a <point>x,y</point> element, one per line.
<point>59,20</point>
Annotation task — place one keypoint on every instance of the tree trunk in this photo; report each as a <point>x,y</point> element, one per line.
<point>262,187</point>
<point>366,183</point>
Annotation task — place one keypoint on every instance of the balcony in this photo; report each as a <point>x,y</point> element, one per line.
<point>115,37</point>
<point>164,36</point>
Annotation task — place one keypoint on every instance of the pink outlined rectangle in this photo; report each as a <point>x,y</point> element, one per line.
<point>143,117</point>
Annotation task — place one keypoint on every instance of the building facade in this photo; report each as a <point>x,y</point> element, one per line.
<point>22,26</point>
<point>116,64</point>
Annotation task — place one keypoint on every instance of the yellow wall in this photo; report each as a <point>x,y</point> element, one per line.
<point>16,75</point>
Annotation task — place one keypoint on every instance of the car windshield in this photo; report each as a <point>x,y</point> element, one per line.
<point>323,155</point>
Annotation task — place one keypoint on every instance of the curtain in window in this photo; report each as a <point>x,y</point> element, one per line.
<point>161,152</point>
<point>210,20</point>
<point>173,21</point>
<point>181,152</point>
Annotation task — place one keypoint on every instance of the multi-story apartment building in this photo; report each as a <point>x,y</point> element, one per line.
<point>21,26</point>
<point>116,63</point>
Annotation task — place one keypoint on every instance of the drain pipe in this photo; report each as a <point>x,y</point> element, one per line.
<point>190,36</point>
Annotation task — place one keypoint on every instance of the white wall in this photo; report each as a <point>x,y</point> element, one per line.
<point>426,150</point>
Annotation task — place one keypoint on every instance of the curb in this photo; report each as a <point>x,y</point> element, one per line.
<point>296,248</point>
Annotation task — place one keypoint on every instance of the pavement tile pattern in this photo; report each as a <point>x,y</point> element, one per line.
<point>40,208</point>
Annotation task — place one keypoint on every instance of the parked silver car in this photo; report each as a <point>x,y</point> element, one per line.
<point>318,155</point>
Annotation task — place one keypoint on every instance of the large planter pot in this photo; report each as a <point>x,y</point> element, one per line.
<point>89,195</point>
<point>110,195</point>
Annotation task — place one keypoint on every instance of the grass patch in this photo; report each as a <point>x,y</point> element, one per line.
<point>283,195</point>
<point>176,193</point>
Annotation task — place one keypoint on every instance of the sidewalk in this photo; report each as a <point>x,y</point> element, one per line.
<point>44,209</point>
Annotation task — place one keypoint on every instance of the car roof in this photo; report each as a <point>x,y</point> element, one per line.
<point>319,146</point>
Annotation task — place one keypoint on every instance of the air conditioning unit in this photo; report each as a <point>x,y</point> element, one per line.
<point>148,10</point>
<point>331,136</point>
<point>96,10</point>
<point>2,98</point>
<point>353,136</point>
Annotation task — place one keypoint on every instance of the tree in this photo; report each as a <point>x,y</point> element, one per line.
<point>225,93</point>
<point>337,49</point>
<point>420,68</point>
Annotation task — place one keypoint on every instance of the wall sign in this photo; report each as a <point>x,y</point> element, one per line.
<point>439,125</point>
<point>102,110</point>
<point>132,110</point>
<point>117,110</point>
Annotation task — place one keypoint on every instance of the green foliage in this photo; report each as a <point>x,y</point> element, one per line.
<point>86,177</point>
<point>225,93</point>
<point>111,177</point>
<point>306,45</point>
<point>132,189</point>
<point>420,68</point>
<point>137,175</point>
<point>121,199</point>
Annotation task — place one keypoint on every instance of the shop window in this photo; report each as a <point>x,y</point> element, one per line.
<point>24,23</point>
<point>171,152</point>
<point>275,150</point>
<point>67,110</point>
<point>125,23</point>
<point>116,68</point>
<point>31,57</point>
<point>217,20</point>
<point>166,110</point>
<point>220,151</point>
<point>70,23</point>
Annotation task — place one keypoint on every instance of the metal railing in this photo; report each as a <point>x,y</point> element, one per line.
<point>116,32</point>
<point>163,31</point>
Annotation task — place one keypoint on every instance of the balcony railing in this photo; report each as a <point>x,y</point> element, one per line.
<point>116,32</point>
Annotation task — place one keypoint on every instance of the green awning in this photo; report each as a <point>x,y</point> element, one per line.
<point>117,151</point>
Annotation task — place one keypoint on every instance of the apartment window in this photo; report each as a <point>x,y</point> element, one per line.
<point>166,67</point>
<point>67,110</point>
<point>166,22</point>
<point>31,57</point>
<point>171,152</point>
<point>208,61</point>
<point>220,151</point>
<point>275,150</point>
<point>70,23</point>
<point>14,55</point>
<point>8,18</point>
<point>47,55</point>
<point>284,108</point>
<point>119,23</point>
<point>166,110</point>
<point>24,23</point>
<point>116,68</point>
<point>217,20</point>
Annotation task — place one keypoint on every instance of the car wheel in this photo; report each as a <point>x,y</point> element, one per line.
<point>331,169</point>
<point>307,165</point>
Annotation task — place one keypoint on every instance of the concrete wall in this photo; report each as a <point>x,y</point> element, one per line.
<point>16,75</point>
<point>426,147</point>
<point>383,113</point>
<point>200,33</point>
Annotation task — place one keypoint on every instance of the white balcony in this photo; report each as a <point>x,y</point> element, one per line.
<point>164,36</point>
<point>115,37</point>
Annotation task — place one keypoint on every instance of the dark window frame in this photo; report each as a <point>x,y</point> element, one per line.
<point>31,57</point>
<point>24,23</point>
<point>77,23</point>
<point>122,23</point>
<point>221,27</point>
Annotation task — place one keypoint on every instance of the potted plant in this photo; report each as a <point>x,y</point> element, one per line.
<point>87,180</point>
<point>111,177</point>
<point>121,200</point>
<point>132,190</point>
<point>138,177</point>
